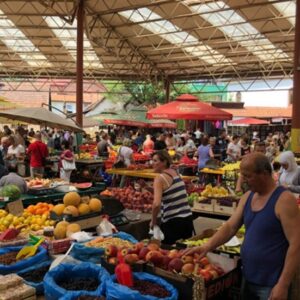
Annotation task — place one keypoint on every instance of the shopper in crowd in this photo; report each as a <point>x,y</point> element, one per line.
<point>7,131</point>
<point>204,152</point>
<point>160,143</point>
<point>13,178</point>
<point>148,145</point>
<point>233,150</point>
<point>198,135</point>
<point>221,145</point>
<point>181,146</point>
<point>18,136</point>
<point>170,199</point>
<point>245,148</point>
<point>67,155</point>
<point>6,141</point>
<point>170,142</point>
<point>103,146</point>
<point>289,173</point>
<point>126,152</point>
<point>15,152</point>
<point>38,152</point>
<point>31,132</point>
<point>212,144</point>
<point>270,253</point>
<point>189,142</point>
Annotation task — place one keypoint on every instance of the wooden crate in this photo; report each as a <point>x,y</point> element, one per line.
<point>224,209</point>
<point>202,205</point>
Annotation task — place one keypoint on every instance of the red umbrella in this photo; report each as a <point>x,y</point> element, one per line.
<point>188,107</point>
<point>248,121</point>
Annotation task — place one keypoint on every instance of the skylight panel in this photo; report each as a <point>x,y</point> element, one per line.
<point>175,35</point>
<point>259,44</point>
<point>16,40</point>
<point>67,34</point>
<point>287,9</point>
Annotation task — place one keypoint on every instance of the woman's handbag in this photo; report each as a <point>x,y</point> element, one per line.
<point>68,165</point>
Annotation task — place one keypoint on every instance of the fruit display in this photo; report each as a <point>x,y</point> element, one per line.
<point>110,244</point>
<point>132,199</point>
<point>146,287</point>
<point>231,167</point>
<point>216,191</point>
<point>65,229</point>
<point>75,206</point>
<point>84,155</point>
<point>11,191</point>
<point>27,220</point>
<point>39,209</point>
<point>38,182</point>
<point>192,198</point>
<point>199,241</point>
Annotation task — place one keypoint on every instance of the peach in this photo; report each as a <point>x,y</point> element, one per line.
<point>188,269</point>
<point>153,246</point>
<point>173,253</point>
<point>131,258</point>
<point>187,259</point>
<point>152,253</point>
<point>165,262</point>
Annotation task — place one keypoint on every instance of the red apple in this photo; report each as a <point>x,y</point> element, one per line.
<point>188,269</point>
<point>152,253</point>
<point>111,250</point>
<point>204,261</point>
<point>205,274</point>
<point>143,253</point>
<point>165,262</point>
<point>124,251</point>
<point>175,264</point>
<point>139,245</point>
<point>131,258</point>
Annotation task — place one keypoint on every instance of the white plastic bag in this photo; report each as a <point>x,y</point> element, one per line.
<point>81,236</point>
<point>106,228</point>
<point>157,233</point>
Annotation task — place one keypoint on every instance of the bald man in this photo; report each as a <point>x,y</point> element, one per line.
<point>271,249</point>
<point>38,152</point>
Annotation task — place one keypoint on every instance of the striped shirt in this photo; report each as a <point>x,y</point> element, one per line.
<point>174,202</point>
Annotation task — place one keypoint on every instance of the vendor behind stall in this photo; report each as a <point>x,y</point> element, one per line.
<point>14,178</point>
<point>170,198</point>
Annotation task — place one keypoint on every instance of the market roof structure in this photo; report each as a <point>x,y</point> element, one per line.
<point>146,39</point>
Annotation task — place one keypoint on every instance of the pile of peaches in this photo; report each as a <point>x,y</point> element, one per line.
<point>170,260</point>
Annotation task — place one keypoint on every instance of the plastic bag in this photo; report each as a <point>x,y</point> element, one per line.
<point>39,286</point>
<point>157,233</point>
<point>115,291</point>
<point>55,292</point>
<point>40,256</point>
<point>105,228</point>
<point>81,236</point>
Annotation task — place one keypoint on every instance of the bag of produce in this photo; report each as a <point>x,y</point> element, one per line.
<point>146,287</point>
<point>69,281</point>
<point>83,252</point>
<point>8,263</point>
<point>34,276</point>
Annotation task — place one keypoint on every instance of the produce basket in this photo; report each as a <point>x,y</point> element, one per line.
<point>69,280</point>
<point>159,286</point>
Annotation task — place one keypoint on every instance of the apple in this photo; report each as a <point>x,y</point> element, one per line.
<point>188,269</point>
<point>124,251</point>
<point>205,274</point>
<point>143,252</point>
<point>175,265</point>
<point>153,246</point>
<point>165,262</point>
<point>152,253</point>
<point>131,258</point>
<point>173,253</point>
<point>187,259</point>
<point>204,261</point>
<point>111,250</point>
<point>139,245</point>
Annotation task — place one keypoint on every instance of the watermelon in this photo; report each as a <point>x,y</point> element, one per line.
<point>12,191</point>
<point>83,185</point>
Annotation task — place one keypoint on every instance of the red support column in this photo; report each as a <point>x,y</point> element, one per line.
<point>79,63</point>
<point>296,85</point>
